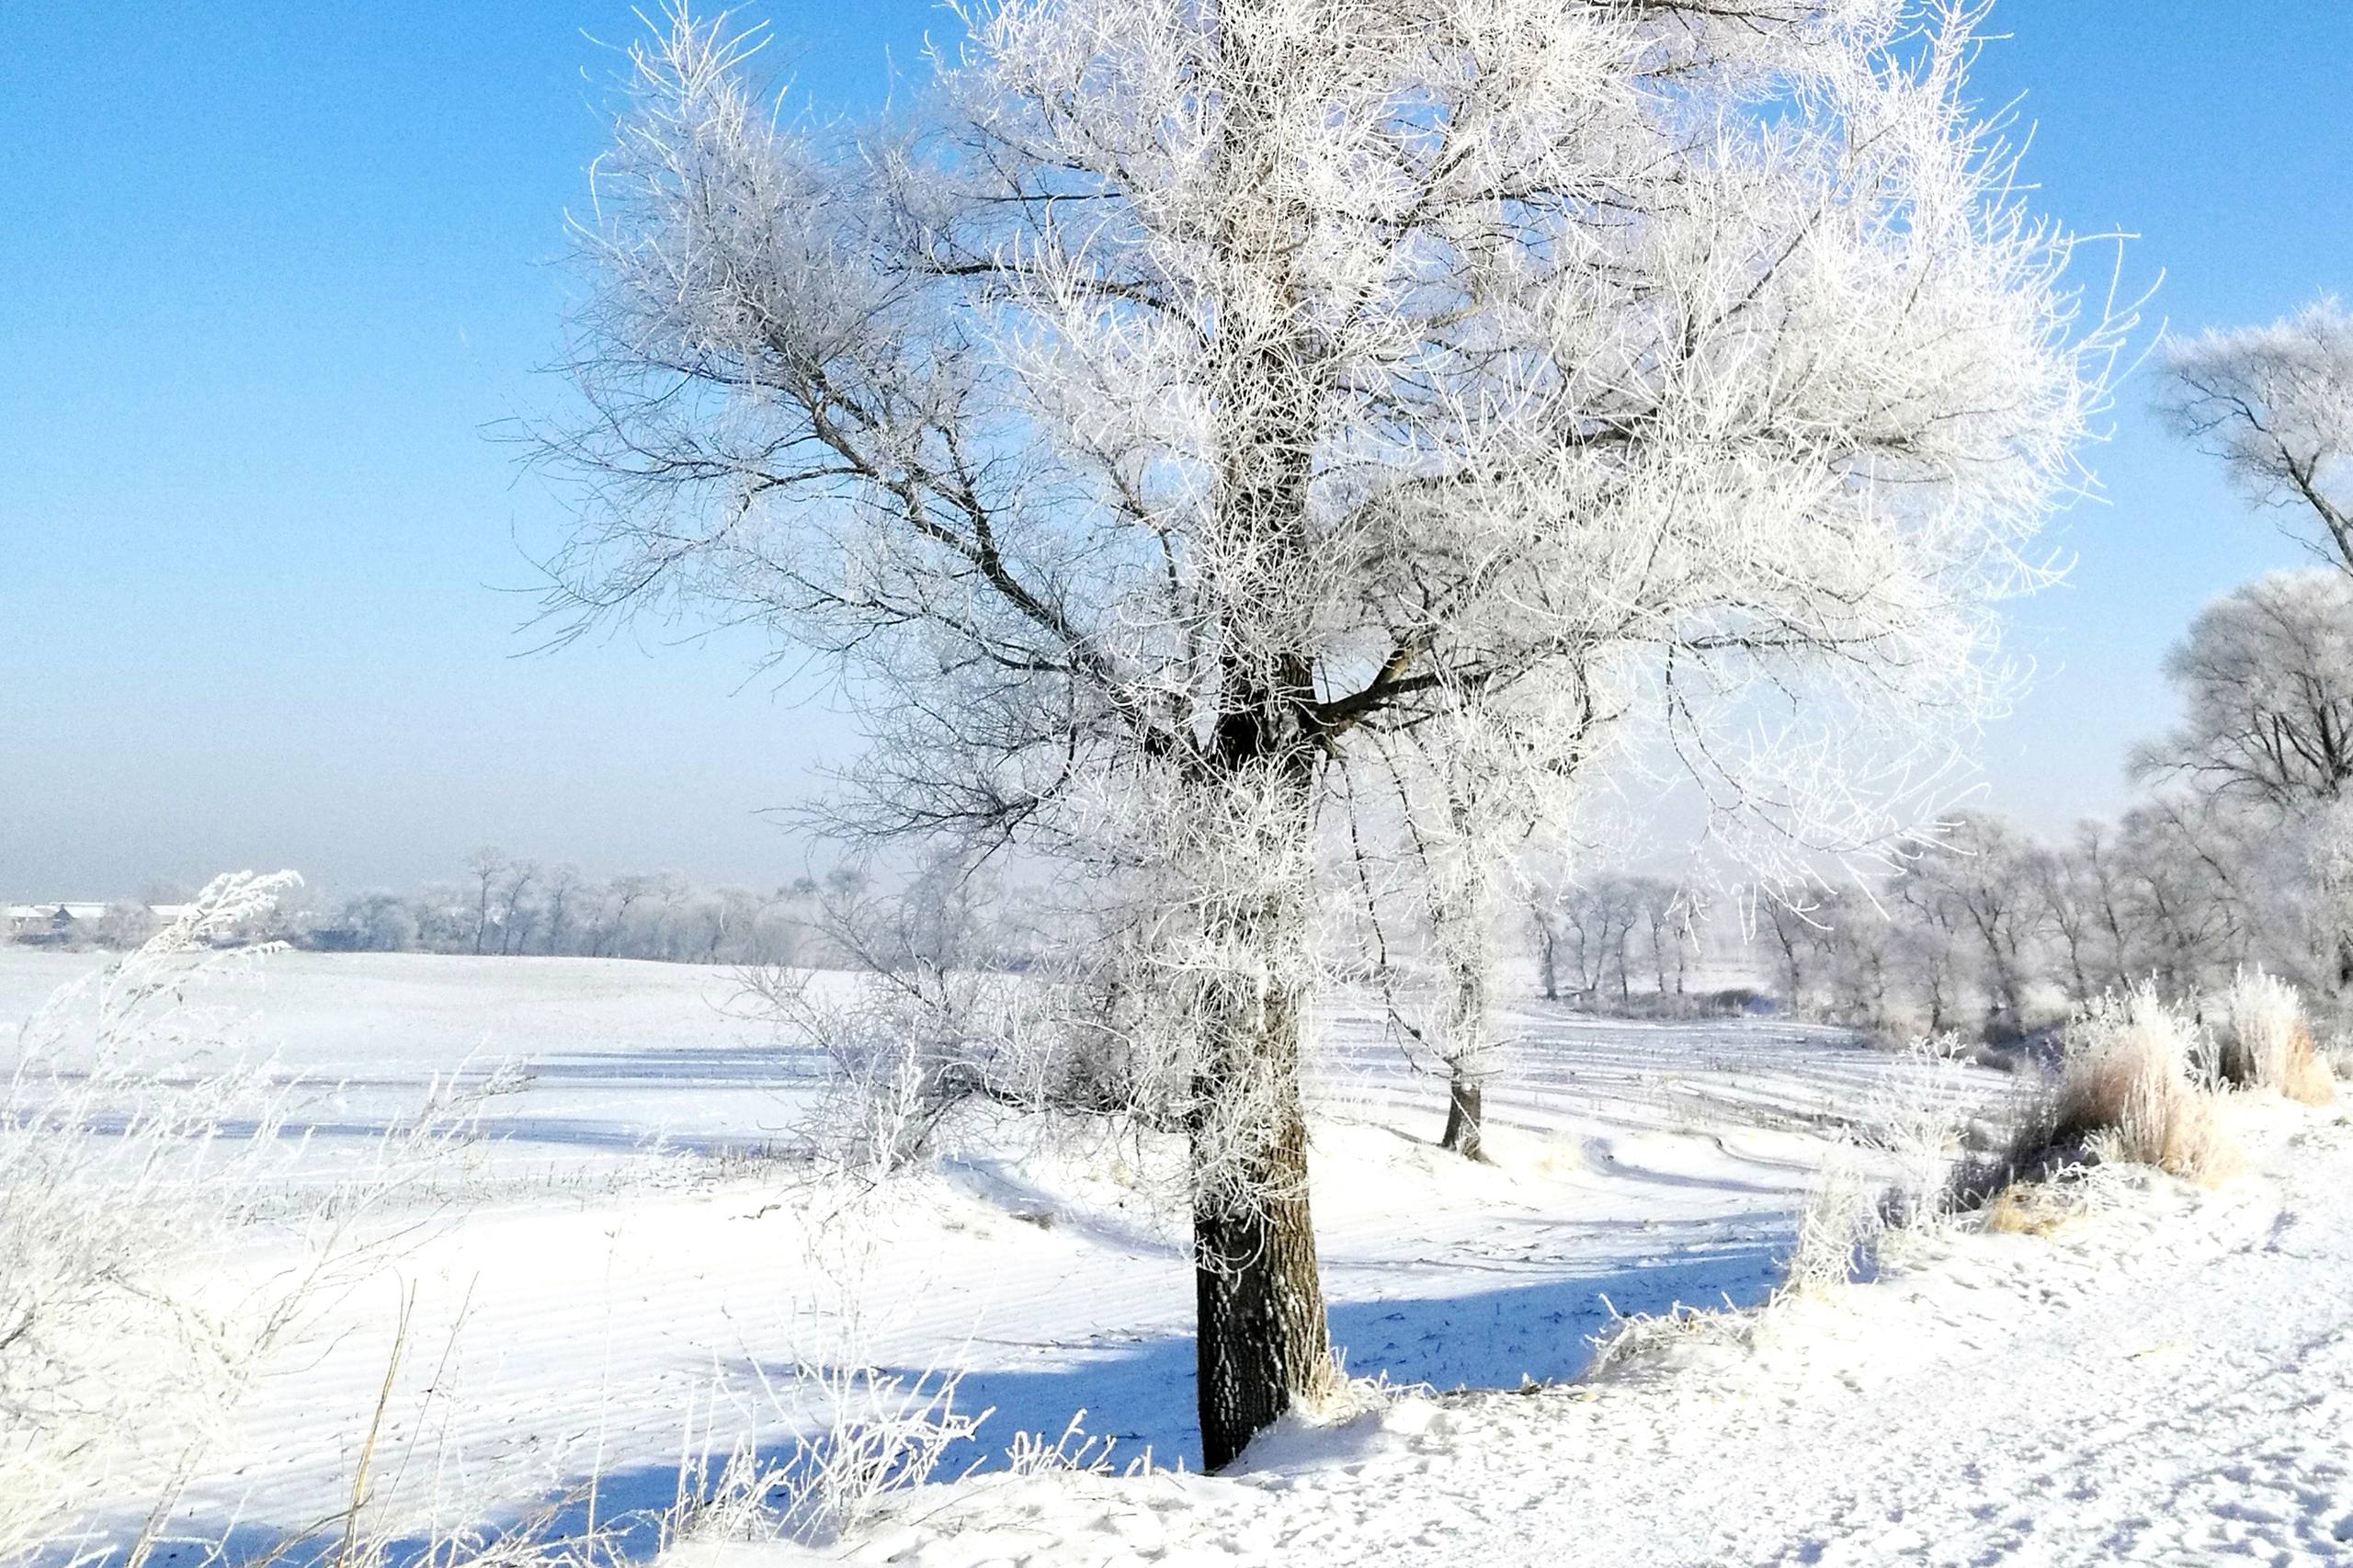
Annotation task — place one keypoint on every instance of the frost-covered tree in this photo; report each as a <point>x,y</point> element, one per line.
<point>615,919</point>
<point>2096,880</point>
<point>1673,916</point>
<point>1866,958</point>
<point>1983,879</point>
<point>485,869</point>
<point>1590,925</point>
<point>2184,867</point>
<point>1797,948</point>
<point>2266,678</point>
<point>126,924</point>
<point>2274,404</point>
<point>518,908</point>
<point>1190,390</point>
<point>1457,835</point>
<point>2084,958</point>
<point>1469,807</point>
<point>564,890</point>
<point>2266,749</point>
<point>379,922</point>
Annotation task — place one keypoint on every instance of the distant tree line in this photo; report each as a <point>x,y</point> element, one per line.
<point>1991,930</point>
<point>2241,856</point>
<point>514,905</point>
<point>1604,940</point>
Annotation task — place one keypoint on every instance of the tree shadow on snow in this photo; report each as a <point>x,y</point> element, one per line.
<point>1541,1328</point>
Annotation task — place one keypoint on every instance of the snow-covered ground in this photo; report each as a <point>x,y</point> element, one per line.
<point>612,1285</point>
<point>619,1054</point>
<point>2168,1382</point>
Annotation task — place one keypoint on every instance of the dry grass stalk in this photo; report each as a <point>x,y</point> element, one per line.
<point>2264,1041</point>
<point>2028,1209</point>
<point>2128,1090</point>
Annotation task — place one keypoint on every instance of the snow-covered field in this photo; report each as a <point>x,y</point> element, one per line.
<point>620,1053</point>
<point>2170,1381</point>
<point>628,1272</point>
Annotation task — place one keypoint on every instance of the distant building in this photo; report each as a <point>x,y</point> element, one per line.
<point>60,924</point>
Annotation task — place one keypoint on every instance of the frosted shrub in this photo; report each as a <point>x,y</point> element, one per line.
<point>1077,1452</point>
<point>1839,1235</point>
<point>2129,1090</point>
<point>137,1148</point>
<point>1644,1340</point>
<point>1839,1229</point>
<point>948,1003</point>
<point>2135,1086</point>
<point>125,1154</point>
<point>875,1433</point>
<point>905,1051</point>
<point>862,1431</point>
<point>1916,1116</point>
<point>2263,1041</point>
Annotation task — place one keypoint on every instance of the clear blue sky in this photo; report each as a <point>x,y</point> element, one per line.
<point>271,271</point>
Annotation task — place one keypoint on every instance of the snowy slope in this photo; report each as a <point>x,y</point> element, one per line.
<point>2169,1381</point>
<point>619,1054</point>
<point>564,1325</point>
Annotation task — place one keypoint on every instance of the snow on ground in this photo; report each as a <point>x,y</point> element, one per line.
<point>2168,1382</point>
<point>607,1295</point>
<point>619,1054</point>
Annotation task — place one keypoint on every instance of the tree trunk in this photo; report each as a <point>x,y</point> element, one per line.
<point>1261,1343</point>
<point>1464,1106</point>
<point>1470,1049</point>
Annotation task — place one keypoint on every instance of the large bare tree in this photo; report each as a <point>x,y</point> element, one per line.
<point>1189,390</point>
<point>2265,747</point>
<point>2274,404</point>
<point>2265,677</point>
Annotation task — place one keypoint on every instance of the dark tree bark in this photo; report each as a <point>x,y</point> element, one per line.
<point>1261,1343</point>
<point>1467,1031</point>
<point>1465,1108</point>
<point>1548,956</point>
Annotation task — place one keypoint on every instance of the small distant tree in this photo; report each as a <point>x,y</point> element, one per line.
<point>666,934</point>
<point>783,924</point>
<point>2099,880</point>
<point>1544,935</point>
<point>2069,891</point>
<point>1983,879</point>
<point>518,908</point>
<point>379,922</point>
<point>125,924</point>
<point>563,892</point>
<point>1862,959</point>
<point>621,895</point>
<point>2182,865</point>
<point>1930,946</point>
<point>485,870</point>
<point>1468,809</point>
<point>1797,945</point>
<point>1673,915</point>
